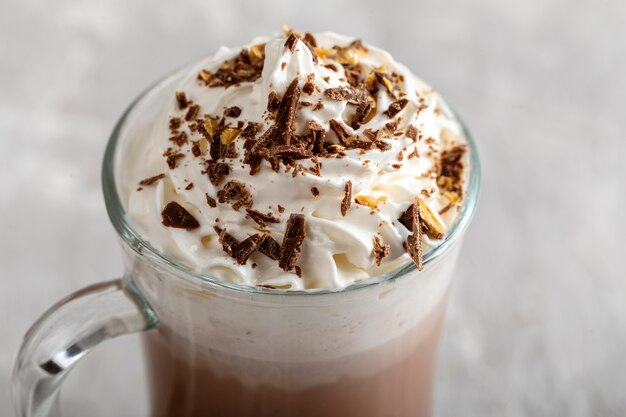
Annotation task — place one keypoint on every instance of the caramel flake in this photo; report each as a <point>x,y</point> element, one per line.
<point>433,228</point>
<point>370,201</point>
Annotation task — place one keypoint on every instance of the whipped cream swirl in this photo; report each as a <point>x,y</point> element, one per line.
<point>383,132</point>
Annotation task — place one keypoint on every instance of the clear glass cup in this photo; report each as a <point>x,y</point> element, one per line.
<point>222,349</point>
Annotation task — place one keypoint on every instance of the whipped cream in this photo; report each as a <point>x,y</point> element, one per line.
<point>389,156</point>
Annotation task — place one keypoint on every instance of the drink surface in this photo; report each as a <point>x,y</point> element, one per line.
<point>297,162</point>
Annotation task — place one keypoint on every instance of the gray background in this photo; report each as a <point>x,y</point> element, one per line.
<point>537,321</point>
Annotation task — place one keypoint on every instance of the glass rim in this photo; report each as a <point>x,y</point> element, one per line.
<point>142,247</point>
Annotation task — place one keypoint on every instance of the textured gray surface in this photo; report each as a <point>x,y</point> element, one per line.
<point>537,321</point>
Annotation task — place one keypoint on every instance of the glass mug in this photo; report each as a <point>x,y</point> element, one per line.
<point>217,348</point>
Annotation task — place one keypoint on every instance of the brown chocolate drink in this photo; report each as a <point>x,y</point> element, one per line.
<point>188,380</point>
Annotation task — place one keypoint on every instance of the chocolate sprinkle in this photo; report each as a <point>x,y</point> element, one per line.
<point>294,235</point>
<point>347,198</point>
<point>175,215</point>
<point>261,218</point>
<point>396,107</point>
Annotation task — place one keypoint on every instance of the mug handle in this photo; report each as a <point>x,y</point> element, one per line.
<point>67,332</point>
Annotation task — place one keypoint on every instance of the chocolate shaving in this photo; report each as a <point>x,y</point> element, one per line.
<point>175,123</point>
<point>262,218</point>
<point>395,107</point>
<point>179,139</point>
<point>232,111</point>
<point>245,67</point>
<point>250,130</point>
<point>311,43</point>
<point>353,74</point>
<point>175,215</point>
<point>309,86</point>
<point>413,243</point>
<point>151,180</point>
<point>346,139</point>
<point>408,219</point>
<point>310,39</point>
<point>380,250</point>
<point>363,109</point>
<point>181,99</point>
<point>217,171</point>
<point>273,101</point>
<point>192,112</point>
<point>316,137</point>
<point>235,193</point>
<point>315,191</point>
<point>337,93</point>
<point>351,94</point>
<point>292,152</point>
<point>270,247</point>
<point>258,150</point>
<point>246,248</point>
<point>340,130</point>
<point>291,41</point>
<point>286,114</point>
<point>392,125</point>
<point>413,246</point>
<point>210,201</point>
<point>228,241</point>
<point>172,159</point>
<point>294,236</point>
<point>347,198</point>
<point>450,177</point>
<point>411,132</point>
<point>189,186</point>
<point>195,149</point>
<point>373,135</point>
